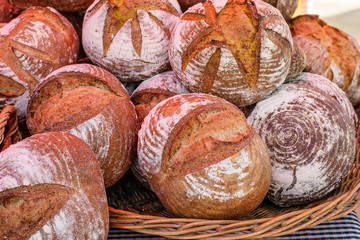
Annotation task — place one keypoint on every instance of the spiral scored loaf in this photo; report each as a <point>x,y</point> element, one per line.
<point>33,45</point>
<point>238,50</point>
<point>63,6</point>
<point>202,159</point>
<point>130,38</point>
<point>51,187</point>
<point>330,52</point>
<point>286,7</point>
<point>91,103</point>
<point>308,126</point>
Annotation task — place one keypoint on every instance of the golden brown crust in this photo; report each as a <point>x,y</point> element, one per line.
<point>203,160</point>
<point>92,104</point>
<point>330,52</point>
<point>64,5</point>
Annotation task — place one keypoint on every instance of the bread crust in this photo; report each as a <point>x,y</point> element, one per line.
<point>200,139</point>
<point>63,6</point>
<point>34,44</point>
<point>51,187</point>
<point>90,103</point>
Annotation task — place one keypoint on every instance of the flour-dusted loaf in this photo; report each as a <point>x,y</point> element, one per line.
<point>91,103</point>
<point>330,52</point>
<point>63,5</point>
<point>202,159</point>
<point>130,38</point>
<point>309,128</point>
<point>51,187</point>
<point>286,7</point>
<point>33,45</point>
<point>238,50</point>
<point>155,89</point>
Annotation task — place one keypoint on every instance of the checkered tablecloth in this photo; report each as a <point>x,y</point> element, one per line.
<point>345,228</point>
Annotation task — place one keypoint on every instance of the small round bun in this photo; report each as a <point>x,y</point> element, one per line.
<point>309,128</point>
<point>202,159</point>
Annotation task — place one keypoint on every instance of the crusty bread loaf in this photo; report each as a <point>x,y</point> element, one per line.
<point>91,103</point>
<point>330,52</point>
<point>286,7</point>
<point>202,159</point>
<point>51,187</point>
<point>238,50</point>
<point>63,5</point>
<point>309,128</point>
<point>130,38</point>
<point>33,45</point>
<point>155,89</point>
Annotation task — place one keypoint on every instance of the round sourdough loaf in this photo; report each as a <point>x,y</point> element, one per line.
<point>330,52</point>
<point>63,5</point>
<point>202,159</point>
<point>33,45</point>
<point>309,128</point>
<point>286,7</point>
<point>130,38</point>
<point>91,103</point>
<point>51,187</point>
<point>238,50</point>
<point>155,89</point>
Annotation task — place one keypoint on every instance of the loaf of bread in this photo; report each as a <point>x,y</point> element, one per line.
<point>51,187</point>
<point>7,11</point>
<point>286,7</point>
<point>155,89</point>
<point>91,103</point>
<point>130,38</point>
<point>330,52</point>
<point>33,45</point>
<point>309,128</point>
<point>63,5</point>
<point>238,50</point>
<point>202,159</point>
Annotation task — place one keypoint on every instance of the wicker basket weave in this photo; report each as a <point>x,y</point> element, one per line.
<point>136,208</point>
<point>9,130</point>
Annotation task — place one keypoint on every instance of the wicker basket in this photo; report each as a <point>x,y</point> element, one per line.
<point>136,208</point>
<point>9,130</point>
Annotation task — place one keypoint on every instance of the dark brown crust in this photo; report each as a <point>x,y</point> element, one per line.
<point>63,5</point>
<point>7,11</point>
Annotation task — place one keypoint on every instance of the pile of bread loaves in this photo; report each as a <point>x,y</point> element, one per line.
<point>214,105</point>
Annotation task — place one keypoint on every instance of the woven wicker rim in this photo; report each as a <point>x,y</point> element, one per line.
<point>9,130</point>
<point>345,199</point>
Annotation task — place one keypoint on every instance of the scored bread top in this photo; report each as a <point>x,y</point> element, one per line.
<point>51,187</point>
<point>84,90</point>
<point>189,126</point>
